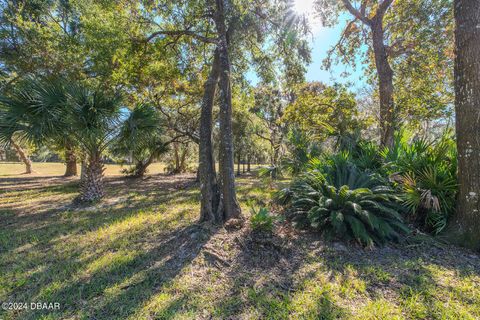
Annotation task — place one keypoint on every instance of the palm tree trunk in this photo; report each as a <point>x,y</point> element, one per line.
<point>70,161</point>
<point>92,186</point>
<point>23,157</point>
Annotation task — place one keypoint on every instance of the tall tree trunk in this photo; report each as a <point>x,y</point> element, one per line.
<point>243,167</point>
<point>177,158</point>
<point>465,225</point>
<point>248,163</point>
<point>210,197</point>
<point>183,159</point>
<point>92,188</point>
<point>23,157</point>
<point>238,163</point>
<point>231,208</point>
<point>385,83</point>
<point>70,162</point>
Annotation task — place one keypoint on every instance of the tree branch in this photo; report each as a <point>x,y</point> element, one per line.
<point>357,14</point>
<point>181,33</point>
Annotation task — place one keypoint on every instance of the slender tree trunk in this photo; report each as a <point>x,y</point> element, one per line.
<point>210,197</point>
<point>177,158</point>
<point>231,208</point>
<point>385,83</point>
<point>92,188</point>
<point>183,158</point>
<point>465,225</point>
<point>70,162</point>
<point>238,164</point>
<point>243,167</point>
<point>248,163</point>
<point>23,157</point>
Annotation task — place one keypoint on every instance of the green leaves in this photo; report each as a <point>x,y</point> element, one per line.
<point>335,200</point>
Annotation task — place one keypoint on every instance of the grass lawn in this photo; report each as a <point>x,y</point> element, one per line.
<point>57,169</point>
<point>140,254</point>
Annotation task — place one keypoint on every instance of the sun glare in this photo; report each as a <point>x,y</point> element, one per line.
<point>303,7</point>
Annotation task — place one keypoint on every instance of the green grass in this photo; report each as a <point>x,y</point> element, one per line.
<point>140,254</point>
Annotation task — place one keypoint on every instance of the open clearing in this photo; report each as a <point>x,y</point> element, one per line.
<point>140,254</point>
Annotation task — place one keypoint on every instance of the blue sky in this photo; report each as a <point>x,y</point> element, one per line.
<point>321,40</point>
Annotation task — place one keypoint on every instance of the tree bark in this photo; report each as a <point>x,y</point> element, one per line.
<point>70,162</point>
<point>385,83</point>
<point>231,208</point>
<point>465,224</point>
<point>210,197</point>
<point>23,157</point>
<point>83,168</point>
<point>248,163</point>
<point>141,167</point>
<point>92,186</point>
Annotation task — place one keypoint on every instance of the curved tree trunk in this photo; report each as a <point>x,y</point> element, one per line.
<point>385,84</point>
<point>231,208</point>
<point>70,162</point>
<point>142,166</point>
<point>23,157</point>
<point>465,225</point>
<point>206,168</point>
<point>92,188</point>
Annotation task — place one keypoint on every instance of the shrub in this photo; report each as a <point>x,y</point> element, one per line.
<point>261,220</point>
<point>342,201</point>
<point>425,173</point>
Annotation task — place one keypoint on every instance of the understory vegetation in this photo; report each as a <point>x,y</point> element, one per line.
<point>141,254</point>
<point>370,194</point>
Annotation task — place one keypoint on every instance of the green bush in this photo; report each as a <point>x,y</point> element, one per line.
<point>261,220</point>
<point>425,173</point>
<point>339,200</point>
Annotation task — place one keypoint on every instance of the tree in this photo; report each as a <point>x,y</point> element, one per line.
<point>403,46</point>
<point>466,222</point>
<point>141,138</point>
<point>42,109</point>
<point>238,33</point>
<point>22,155</point>
<point>323,111</point>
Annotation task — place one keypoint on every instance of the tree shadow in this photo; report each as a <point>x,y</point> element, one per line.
<point>118,287</point>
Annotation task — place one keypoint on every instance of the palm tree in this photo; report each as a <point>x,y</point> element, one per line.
<point>141,137</point>
<point>28,113</point>
<point>93,118</point>
<point>42,109</point>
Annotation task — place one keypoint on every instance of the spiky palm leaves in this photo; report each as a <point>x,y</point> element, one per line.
<point>42,109</point>
<point>425,172</point>
<point>340,200</point>
<point>141,137</point>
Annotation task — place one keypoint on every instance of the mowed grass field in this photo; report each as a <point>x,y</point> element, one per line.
<point>58,169</point>
<point>141,254</point>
